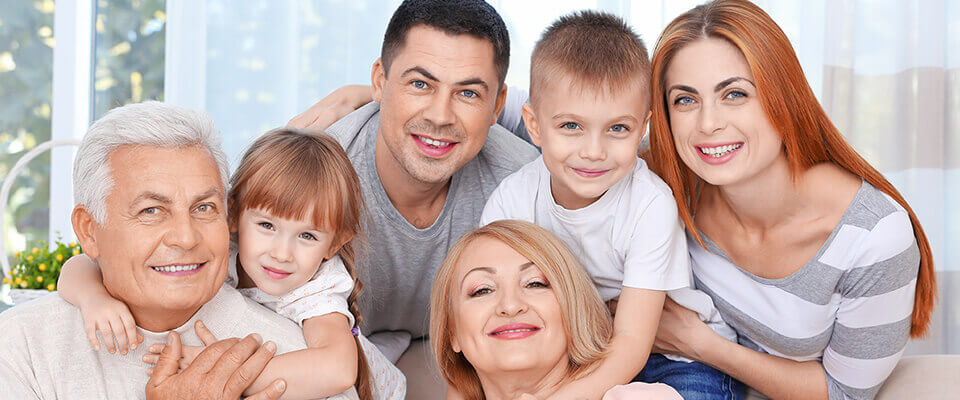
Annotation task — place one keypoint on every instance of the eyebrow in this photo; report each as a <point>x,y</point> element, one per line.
<point>719,87</point>
<point>575,116</point>
<point>207,194</point>
<point>423,71</point>
<point>489,270</point>
<point>148,195</point>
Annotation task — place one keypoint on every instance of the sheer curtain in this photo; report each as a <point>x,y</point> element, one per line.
<point>887,72</point>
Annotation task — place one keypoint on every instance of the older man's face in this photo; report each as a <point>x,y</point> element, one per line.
<point>164,245</point>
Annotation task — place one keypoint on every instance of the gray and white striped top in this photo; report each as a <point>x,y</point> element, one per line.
<point>849,307</point>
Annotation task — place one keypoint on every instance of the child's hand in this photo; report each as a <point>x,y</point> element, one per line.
<point>189,353</point>
<point>114,321</point>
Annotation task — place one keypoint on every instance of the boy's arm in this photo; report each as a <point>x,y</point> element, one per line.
<point>81,284</point>
<point>634,330</point>
<point>327,366</point>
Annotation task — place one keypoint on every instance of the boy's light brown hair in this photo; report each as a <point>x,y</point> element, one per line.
<point>595,50</point>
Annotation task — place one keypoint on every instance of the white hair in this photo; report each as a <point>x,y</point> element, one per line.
<point>150,123</point>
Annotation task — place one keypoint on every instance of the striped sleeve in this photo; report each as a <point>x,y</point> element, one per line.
<point>873,320</point>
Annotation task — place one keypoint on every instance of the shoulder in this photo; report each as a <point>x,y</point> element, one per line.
<point>348,128</point>
<point>253,317</point>
<point>505,153</point>
<point>526,178</point>
<point>37,313</point>
<point>646,192</point>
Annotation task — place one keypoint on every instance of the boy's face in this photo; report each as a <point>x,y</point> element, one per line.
<point>589,137</point>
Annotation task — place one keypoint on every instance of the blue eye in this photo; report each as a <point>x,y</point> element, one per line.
<point>150,210</point>
<point>265,225</point>
<point>736,94</point>
<point>419,84</point>
<point>570,125</point>
<point>468,94</point>
<point>683,100</point>
<point>307,236</point>
<point>619,128</point>
<point>203,208</point>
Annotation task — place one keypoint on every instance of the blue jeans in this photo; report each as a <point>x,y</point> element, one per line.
<point>694,381</point>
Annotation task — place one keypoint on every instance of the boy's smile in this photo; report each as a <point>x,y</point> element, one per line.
<point>589,137</point>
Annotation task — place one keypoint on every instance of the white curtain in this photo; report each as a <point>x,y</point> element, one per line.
<point>887,72</point>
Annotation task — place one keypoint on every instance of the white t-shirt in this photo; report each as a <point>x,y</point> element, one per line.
<point>631,236</point>
<point>326,293</point>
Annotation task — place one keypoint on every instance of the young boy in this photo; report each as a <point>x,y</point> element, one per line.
<point>589,106</point>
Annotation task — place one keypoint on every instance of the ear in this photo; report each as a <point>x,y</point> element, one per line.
<point>455,344</point>
<point>85,228</point>
<point>647,119</point>
<point>530,120</point>
<point>378,79</point>
<point>499,103</point>
<point>336,246</point>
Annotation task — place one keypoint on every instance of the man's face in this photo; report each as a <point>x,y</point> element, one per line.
<point>164,244</point>
<point>438,100</point>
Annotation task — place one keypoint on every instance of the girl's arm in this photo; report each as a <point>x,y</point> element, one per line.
<point>327,366</point>
<point>681,332</point>
<point>634,329</point>
<point>81,284</point>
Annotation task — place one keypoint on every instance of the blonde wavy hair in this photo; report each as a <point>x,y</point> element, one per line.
<point>585,318</point>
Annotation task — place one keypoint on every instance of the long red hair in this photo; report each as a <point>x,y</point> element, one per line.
<point>808,136</point>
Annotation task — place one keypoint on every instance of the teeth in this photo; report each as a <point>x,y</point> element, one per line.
<point>177,268</point>
<point>720,151</point>
<point>431,142</point>
<point>516,330</point>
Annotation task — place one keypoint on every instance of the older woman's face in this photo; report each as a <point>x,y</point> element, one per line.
<point>719,127</point>
<point>506,316</point>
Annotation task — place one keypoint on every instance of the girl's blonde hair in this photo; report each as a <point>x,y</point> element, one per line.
<point>809,138</point>
<point>585,317</point>
<point>306,175</point>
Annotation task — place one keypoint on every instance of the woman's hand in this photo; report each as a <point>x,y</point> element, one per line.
<point>114,321</point>
<point>336,105</point>
<point>681,332</point>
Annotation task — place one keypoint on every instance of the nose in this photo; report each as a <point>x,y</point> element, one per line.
<point>511,303</point>
<point>281,249</point>
<point>592,148</point>
<point>440,111</point>
<point>183,233</point>
<point>709,119</point>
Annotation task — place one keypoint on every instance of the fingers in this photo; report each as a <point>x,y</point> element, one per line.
<point>133,337</point>
<point>233,357</point>
<point>244,376</point>
<point>272,392</point>
<point>91,329</point>
<point>120,333</point>
<point>168,360</point>
<point>107,333</point>
<point>205,335</point>
<point>150,358</point>
<point>210,355</point>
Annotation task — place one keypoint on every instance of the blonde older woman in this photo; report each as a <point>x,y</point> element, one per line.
<point>512,313</point>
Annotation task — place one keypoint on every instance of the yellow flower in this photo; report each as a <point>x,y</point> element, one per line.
<point>73,244</point>
<point>16,255</point>
<point>59,257</point>
<point>39,279</point>
<point>29,258</point>
<point>6,280</point>
<point>51,287</point>
<point>42,267</point>
<point>75,251</point>
<point>18,281</point>
<point>35,250</point>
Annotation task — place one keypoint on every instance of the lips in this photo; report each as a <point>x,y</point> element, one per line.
<point>514,331</point>
<point>718,153</point>
<point>433,147</point>
<point>179,270</point>
<point>276,273</point>
<point>590,173</point>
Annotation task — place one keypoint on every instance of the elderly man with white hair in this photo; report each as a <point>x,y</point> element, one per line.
<point>150,188</point>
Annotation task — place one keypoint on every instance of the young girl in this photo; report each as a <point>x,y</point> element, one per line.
<point>294,210</point>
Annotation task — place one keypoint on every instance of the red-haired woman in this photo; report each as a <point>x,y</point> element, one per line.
<point>807,251</point>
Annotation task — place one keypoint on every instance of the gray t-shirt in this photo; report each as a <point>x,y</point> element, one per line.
<point>398,268</point>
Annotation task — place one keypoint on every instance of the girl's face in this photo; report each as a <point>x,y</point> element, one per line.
<point>719,127</point>
<point>279,254</point>
<point>505,314</point>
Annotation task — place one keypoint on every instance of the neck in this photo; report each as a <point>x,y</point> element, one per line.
<point>161,320</point>
<point>762,201</point>
<point>417,201</point>
<point>512,384</point>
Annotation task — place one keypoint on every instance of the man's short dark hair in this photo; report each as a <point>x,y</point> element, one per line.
<point>471,17</point>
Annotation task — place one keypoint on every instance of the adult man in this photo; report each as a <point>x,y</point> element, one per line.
<point>149,182</point>
<point>428,153</point>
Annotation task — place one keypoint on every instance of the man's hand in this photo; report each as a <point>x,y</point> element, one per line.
<point>221,372</point>
<point>336,105</point>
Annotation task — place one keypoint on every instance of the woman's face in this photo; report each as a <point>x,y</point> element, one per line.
<point>719,127</point>
<point>506,317</point>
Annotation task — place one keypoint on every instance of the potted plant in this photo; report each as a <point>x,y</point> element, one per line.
<point>36,269</point>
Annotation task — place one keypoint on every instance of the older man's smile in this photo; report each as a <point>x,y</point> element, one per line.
<point>179,269</point>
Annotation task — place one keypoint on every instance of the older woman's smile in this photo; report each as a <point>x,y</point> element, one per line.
<point>514,331</point>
